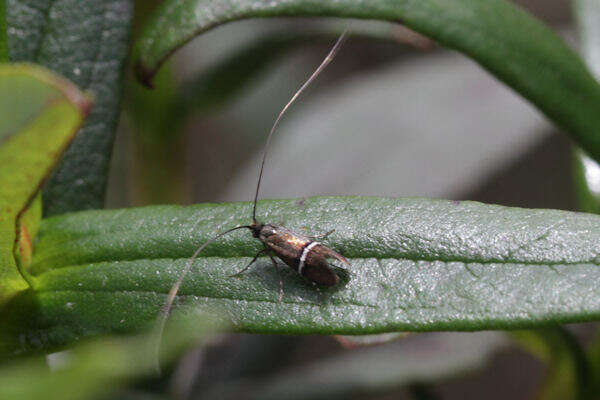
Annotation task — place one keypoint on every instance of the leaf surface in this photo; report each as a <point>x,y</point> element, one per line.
<point>416,265</point>
<point>86,42</point>
<point>39,116</point>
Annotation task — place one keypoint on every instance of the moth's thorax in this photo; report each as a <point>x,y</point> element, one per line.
<point>267,231</point>
<point>278,234</point>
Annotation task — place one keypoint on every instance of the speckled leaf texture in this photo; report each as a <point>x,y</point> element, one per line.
<point>416,265</point>
<point>87,42</point>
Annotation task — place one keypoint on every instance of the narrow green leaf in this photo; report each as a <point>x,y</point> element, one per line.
<point>3,35</point>
<point>87,42</point>
<point>416,265</point>
<point>512,45</point>
<point>39,116</point>
<point>586,170</point>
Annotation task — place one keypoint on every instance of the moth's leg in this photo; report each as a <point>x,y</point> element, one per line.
<point>278,275</point>
<point>323,236</point>
<point>248,266</point>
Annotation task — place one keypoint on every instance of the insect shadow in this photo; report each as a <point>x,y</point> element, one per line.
<point>298,286</point>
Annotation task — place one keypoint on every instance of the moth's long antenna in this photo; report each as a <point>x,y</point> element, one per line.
<point>321,67</point>
<point>175,288</point>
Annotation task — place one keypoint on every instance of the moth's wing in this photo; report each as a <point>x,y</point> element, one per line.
<point>328,253</point>
<point>285,231</point>
<point>321,249</point>
<point>339,257</point>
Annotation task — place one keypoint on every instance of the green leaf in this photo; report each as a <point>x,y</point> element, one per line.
<point>508,42</point>
<point>374,370</point>
<point>100,368</point>
<point>87,42</point>
<point>3,40</point>
<point>586,170</point>
<point>39,116</point>
<point>416,265</point>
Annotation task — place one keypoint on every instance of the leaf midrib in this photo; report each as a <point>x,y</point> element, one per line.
<point>465,261</point>
<point>183,294</point>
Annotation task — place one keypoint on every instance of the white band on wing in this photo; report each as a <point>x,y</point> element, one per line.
<point>305,252</point>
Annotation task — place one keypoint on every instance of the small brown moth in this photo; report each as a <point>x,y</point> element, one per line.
<point>302,253</point>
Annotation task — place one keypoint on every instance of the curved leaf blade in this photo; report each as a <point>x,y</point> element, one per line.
<point>86,42</point>
<point>416,265</point>
<point>512,45</point>
<point>40,115</point>
<point>587,171</point>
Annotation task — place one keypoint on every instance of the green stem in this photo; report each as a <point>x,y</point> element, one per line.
<point>4,57</point>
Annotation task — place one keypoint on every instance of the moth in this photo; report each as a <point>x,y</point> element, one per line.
<point>304,254</point>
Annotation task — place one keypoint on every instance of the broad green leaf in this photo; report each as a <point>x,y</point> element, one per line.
<point>87,42</point>
<point>416,265</point>
<point>427,358</point>
<point>40,114</point>
<point>100,368</point>
<point>508,42</point>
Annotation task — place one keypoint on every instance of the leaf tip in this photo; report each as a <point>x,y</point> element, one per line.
<point>83,101</point>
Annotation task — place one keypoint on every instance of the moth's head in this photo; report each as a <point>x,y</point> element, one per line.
<point>256,228</point>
